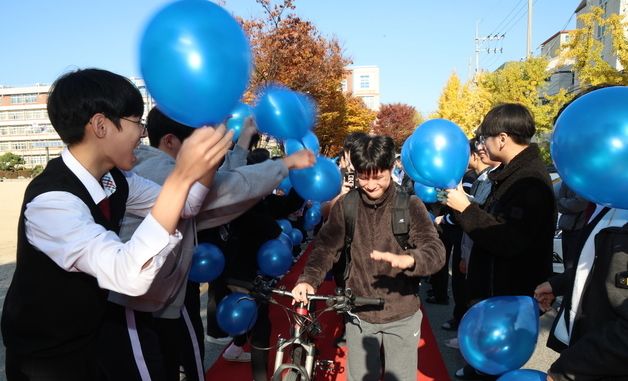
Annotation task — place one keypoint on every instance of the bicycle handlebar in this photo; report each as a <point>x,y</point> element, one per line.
<point>343,301</point>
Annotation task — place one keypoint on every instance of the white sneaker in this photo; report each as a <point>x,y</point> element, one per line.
<point>237,354</point>
<point>219,340</point>
<point>452,343</point>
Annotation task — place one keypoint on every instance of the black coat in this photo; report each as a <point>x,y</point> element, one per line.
<point>513,231</point>
<point>598,347</point>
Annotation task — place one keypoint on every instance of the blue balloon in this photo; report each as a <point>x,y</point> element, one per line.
<point>280,113</point>
<point>285,185</point>
<point>590,146</point>
<point>285,225</point>
<point>425,193</point>
<point>408,167</point>
<point>311,218</point>
<point>208,262</point>
<point>321,182</point>
<point>309,108</point>
<point>196,62</point>
<point>499,334</point>
<point>309,141</point>
<point>296,236</point>
<point>274,258</point>
<point>237,119</point>
<point>285,239</point>
<point>236,313</point>
<point>523,375</point>
<point>439,151</point>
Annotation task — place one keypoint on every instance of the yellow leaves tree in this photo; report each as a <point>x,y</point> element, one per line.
<point>523,82</point>
<point>585,49</point>
<point>464,105</point>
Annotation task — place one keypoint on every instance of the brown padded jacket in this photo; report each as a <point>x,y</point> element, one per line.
<point>377,279</point>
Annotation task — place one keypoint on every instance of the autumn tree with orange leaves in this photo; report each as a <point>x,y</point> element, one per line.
<point>290,51</point>
<point>397,120</point>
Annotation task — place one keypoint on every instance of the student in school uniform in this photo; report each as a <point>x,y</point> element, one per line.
<point>68,251</point>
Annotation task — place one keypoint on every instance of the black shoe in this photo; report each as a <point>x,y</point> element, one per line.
<point>450,325</point>
<point>469,373</point>
<point>433,300</point>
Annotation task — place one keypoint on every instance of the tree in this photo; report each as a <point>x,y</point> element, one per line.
<point>450,104</point>
<point>523,82</point>
<point>465,104</point>
<point>11,162</point>
<point>396,120</point>
<point>585,49</point>
<point>291,51</point>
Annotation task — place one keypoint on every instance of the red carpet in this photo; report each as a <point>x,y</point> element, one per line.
<point>431,365</point>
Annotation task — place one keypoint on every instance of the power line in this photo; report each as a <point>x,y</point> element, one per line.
<point>499,26</point>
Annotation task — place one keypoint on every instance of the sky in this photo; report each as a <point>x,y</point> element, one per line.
<point>417,44</point>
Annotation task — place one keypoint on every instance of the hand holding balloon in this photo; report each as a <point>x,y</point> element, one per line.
<point>300,159</point>
<point>249,130</point>
<point>457,199</point>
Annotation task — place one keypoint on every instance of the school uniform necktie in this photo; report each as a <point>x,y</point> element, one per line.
<point>109,186</point>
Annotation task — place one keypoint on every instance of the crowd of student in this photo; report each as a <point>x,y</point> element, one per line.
<point>107,231</point>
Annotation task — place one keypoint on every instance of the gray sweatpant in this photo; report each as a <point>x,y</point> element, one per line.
<point>400,340</point>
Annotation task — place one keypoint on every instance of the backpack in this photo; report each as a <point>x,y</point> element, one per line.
<point>400,221</point>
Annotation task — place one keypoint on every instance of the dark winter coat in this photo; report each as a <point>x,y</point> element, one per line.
<point>513,231</point>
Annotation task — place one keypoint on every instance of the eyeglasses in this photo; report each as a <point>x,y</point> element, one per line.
<point>480,141</point>
<point>140,124</point>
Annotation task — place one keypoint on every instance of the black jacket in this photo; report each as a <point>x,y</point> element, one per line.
<point>598,348</point>
<point>513,231</point>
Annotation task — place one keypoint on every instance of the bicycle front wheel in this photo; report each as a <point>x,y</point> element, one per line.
<point>294,371</point>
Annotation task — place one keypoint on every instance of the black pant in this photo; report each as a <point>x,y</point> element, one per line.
<point>458,284</point>
<point>78,365</point>
<point>260,340</point>
<point>114,347</point>
<point>450,236</point>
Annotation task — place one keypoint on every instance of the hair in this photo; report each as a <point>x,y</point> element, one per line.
<point>258,155</point>
<point>510,118</point>
<point>371,154</point>
<point>350,139</point>
<point>77,96</point>
<point>159,125</point>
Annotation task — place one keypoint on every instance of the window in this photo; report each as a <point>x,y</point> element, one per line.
<point>23,98</point>
<point>369,102</point>
<point>343,85</point>
<point>365,81</point>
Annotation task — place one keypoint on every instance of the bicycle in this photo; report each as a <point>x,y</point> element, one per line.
<point>305,326</point>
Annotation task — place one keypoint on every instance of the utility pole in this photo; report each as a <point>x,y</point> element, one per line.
<point>480,41</point>
<point>529,42</point>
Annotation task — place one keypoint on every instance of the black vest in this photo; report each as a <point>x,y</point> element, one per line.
<point>49,311</point>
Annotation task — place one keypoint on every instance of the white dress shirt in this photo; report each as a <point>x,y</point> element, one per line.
<point>60,225</point>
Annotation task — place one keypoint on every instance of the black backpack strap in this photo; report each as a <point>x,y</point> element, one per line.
<point>350,210</point>
<point>400,218</point>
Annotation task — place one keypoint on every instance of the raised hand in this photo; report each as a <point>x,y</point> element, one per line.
<point>300,159</point>
<point>203,151</point>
